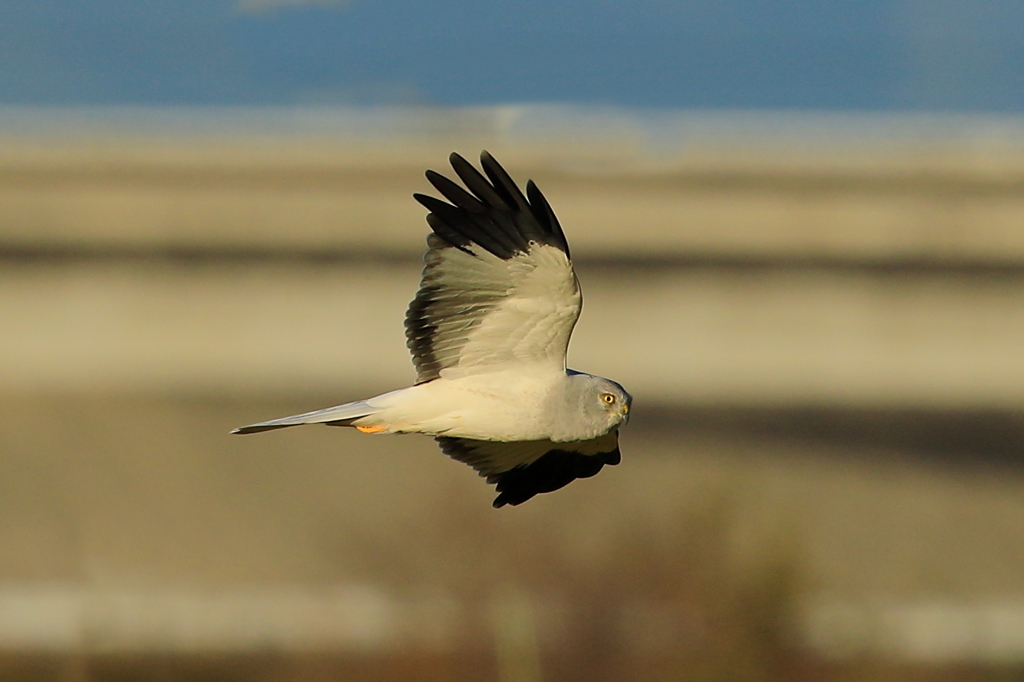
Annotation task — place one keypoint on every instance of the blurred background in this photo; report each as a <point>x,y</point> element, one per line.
<point>799,229</point>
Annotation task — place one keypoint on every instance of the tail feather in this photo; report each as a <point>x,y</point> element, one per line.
<point>341,415</point>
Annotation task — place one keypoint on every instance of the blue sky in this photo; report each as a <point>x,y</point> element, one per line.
<point>932,55</point>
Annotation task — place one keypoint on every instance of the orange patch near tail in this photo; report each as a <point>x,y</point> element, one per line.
<point>371,429</point>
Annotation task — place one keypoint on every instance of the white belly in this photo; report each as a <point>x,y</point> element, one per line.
<point>497,406</point>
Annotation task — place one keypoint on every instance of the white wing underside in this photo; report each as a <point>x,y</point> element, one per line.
<point>484,313</point>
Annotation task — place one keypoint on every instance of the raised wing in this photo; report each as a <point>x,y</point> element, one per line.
<point>498,287</point>
<point>525,468</point>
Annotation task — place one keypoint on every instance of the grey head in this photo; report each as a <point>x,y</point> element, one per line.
<point>589,407</point>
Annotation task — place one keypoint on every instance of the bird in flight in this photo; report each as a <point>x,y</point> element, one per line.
<point>488,332</point>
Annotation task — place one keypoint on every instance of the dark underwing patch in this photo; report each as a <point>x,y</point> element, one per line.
<point>554,468</point>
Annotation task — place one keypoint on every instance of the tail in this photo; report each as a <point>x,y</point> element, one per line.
<point>342,415</point>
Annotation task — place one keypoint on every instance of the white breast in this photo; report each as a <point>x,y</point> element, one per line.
<point>504,406</point>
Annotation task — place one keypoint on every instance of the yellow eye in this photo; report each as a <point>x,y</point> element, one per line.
<point>608,398</point>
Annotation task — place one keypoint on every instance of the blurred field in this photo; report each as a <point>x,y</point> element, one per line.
<point>889,203</point>
<point>823,479</point>
<point>697,334</point>
<point>704,550</point>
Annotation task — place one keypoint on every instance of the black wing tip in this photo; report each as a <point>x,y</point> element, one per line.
<point>424,199</point>
<point>534,202</point>
<point>494,213</point>
<point>486,158</point>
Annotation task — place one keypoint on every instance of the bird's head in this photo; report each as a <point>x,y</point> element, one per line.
<point>615,400</point>
<point>604,403</point>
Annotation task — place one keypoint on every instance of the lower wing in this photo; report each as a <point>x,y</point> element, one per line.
<point>522,469</point>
